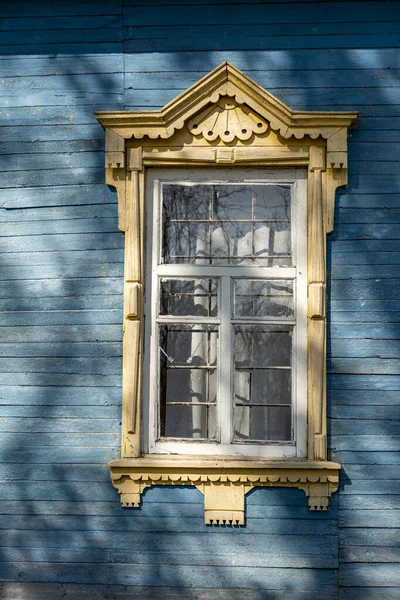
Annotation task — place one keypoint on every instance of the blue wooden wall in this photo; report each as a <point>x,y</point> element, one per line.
<point>63,533</point>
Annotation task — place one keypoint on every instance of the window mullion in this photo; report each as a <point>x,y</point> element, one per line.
<point>225,363</point>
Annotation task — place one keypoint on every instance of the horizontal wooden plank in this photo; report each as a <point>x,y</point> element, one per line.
<point>96,423</point>
<point>99,82</point>
<point>365,245</point>
<point>358,456</point>
<point>374,487</point>
<point>38,37</point>
<point>57,196</point>
<point>253,13</point>
<point>64,303</point>
<point>56,473</point>
<point>362,398</point>
<point>49,147</point>
<point>30,591</point>
<point>268,59</point>
<point>366,290</point>
<point>55,115</point>
<point>367,366</point>
<point>59,411</point>
<point>366,330</point>
<point>62,226</point>
<point>364,215</point>
<point>370,555</point>
<point>19,137</point>
<point>342,413</point>
<point>43,349</point>
<point>208,577</point>
<point>19,453</point>
<point>374,575</point>
<point>106,440</point>
<point>363,348</point>
<point>34,162</point>
<point>370,502</point>
<point>183,541</point>
<point>217,559</point>
<point>267,78</point>
<point>76,47</point>
<point>21,219</point>
<point>352,316</point>
<point>57,242</point>
<point>28,397</point>
<point>362,259</point>
<point>61,334</point>
<point>60,379</point>
<point>368,593</point>
<point>147,521</point>
<point>369,518</point>
<point>36,66</point>
<point>32,288</point>
<point>71,97</point>
<point>60,317</point>
<point>18,24</point>
<point>364,382</point>
<point>63,7</point>
<point>340,98</point>
<point>364,231</point>
<point>362,426</point>
<point>89,365</point>
<point>65,257</point>
<point>367,443</point>
<point>369,537</point>
<point>76,176</point>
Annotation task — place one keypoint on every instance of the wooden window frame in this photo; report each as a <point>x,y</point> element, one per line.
<point>225,120</point>
<point>297,179</point>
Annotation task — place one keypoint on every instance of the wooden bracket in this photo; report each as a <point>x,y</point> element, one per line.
<point>224,483</point>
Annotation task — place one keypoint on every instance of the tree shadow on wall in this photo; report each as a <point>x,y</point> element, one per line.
<point>66,534</point>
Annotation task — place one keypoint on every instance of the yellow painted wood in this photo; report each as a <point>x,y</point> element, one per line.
<point>224,482</point>
<point>225,119</point>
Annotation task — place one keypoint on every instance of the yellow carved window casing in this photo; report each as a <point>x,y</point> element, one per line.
<point>225,121</point>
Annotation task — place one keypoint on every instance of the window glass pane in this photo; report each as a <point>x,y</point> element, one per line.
<point>262,383</point>
<point>227,224</point>
<point>263,298</point>
<point>263,423</point>
<point>189,297</point>
<point>188,395</point>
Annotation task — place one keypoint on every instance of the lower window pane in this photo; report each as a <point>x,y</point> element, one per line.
<point>262,383</point>
<point>263,423</point>
<point>188,356</point>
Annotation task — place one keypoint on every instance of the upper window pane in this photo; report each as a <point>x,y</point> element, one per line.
<point>189,297</point>
<point>222,224</point>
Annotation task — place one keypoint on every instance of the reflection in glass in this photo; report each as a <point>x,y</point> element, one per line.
<point>262,383</point>
<point>189,297</point>
<point>227,224</point>
<point>263,298</point>
<point>188,385</point>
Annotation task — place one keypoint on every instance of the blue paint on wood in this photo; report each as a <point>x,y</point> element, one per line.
<point>60,303</point>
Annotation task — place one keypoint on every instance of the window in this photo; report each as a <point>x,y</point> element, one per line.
<point>226,291</point>
<point>224,364</point>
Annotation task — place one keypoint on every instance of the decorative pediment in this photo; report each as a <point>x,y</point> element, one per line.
<point>227,120</point>
<point>212,95</point>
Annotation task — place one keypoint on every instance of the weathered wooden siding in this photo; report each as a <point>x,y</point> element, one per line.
<point>63,533</point>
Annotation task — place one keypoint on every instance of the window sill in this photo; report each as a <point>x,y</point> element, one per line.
<point>224,482</point>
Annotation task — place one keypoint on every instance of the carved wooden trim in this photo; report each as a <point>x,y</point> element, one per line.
<point>225,119</point>
<point>224,483</point>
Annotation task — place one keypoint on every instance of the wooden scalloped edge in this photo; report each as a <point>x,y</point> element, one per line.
<point>224,483</point>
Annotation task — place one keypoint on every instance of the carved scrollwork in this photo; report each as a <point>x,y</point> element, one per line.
<point>227,120</point>
<point>224,484</point>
